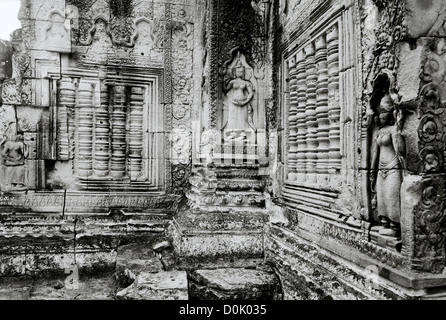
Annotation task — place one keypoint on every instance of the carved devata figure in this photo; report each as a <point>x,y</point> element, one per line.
<point>14,152</point>
<point>238,111</point>
<point>387,160</point>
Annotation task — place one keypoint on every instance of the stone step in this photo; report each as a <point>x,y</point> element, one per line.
<point>234,284</point>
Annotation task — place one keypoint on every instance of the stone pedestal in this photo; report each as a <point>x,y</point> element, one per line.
<point>223,225</point>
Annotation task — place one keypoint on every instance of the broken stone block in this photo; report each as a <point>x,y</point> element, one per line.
<point>165,285</point>
<point>233,284</point>
<point>133,259</point>
<point>168,260</point>
<point>159,247</point>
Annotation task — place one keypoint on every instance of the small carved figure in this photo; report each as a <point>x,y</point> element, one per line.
<point>239,94</point>
<point>14,153</point>
<point>387,164</point>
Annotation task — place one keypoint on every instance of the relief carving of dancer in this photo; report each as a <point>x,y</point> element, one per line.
<point>239,111</point>
<point>14,153</point>
<point>387,162</point>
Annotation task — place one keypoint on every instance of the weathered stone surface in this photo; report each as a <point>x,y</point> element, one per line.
<point>5,59</point>
<point>171,285</point>
<point>195,249</point>
<point>425,18</point>
<point>16,288</point>
<point>87,288</point>
<point>114,112</point>
<point>233,284</point>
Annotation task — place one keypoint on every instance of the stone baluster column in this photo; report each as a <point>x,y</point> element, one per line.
<point>310,113</point>
<point>102,135</point>
<point>322,106</point>
<point>334,109</point>
<point>118,144</point>
<point>136,132</point>
<point>67,101</point>
<point>301,121</point>
<point>85,130</point>
<point>292,119</point>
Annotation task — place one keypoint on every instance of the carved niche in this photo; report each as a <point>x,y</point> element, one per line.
<point>241,137</point>
<point>387,161</point>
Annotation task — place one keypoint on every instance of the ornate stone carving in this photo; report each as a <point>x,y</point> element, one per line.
<point>387,160</point>
<point>13,154</point>
<point>123,31</point>
<point>181,145</point>
<point>238,111</point>
<point>57,34</point>
<point>391,30</point>
<point>429,241</point>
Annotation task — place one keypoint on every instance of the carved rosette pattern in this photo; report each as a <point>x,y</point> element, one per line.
<point>182,85</point>
<point>429,240</point>
<point>431,129</point>
<point>429,214</point>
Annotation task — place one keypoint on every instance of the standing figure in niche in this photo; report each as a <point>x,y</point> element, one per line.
<point>14,153</point>
<point>239,94</point>
<point>387,163</point>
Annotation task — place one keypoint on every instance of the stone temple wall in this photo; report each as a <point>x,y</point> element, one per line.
<point>308,135</point>
<point>358,212</point>
<point>95,127</point>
